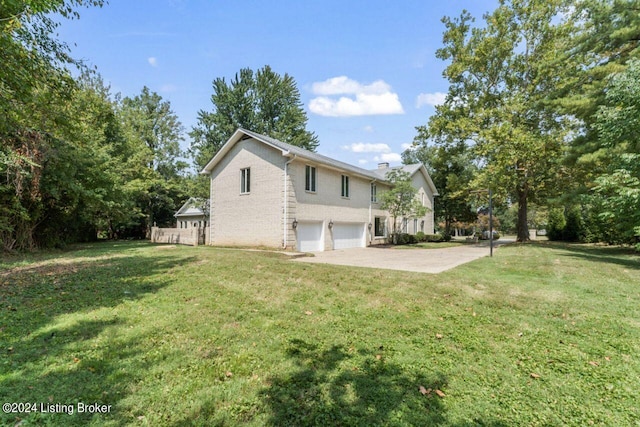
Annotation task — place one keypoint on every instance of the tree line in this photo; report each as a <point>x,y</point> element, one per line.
<point>78,163</point>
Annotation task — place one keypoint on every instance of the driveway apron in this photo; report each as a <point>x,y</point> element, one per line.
<point>418,260</point>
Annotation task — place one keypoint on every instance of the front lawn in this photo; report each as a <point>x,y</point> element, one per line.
<point>540,334</point>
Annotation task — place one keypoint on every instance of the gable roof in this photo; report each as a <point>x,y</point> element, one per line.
<point>289,150</point>
<point>193,207</point>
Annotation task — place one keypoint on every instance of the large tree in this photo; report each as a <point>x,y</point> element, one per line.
<point>501,76</point>
<point>617,188</point>
<point>263,102</point>
<point>153,134</point>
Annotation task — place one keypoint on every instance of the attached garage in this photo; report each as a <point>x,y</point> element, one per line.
<point>348,235</point>
<point>309,237</point>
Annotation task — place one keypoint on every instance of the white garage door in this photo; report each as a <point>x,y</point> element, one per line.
<point>348,235</point>
<point>309,235</point>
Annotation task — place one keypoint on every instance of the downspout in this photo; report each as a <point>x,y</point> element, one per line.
<point>285,201</point>
<point>370,208</point>
<point>210,209</point>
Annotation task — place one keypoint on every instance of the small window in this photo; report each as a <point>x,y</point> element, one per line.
<point>345,186</point>
<point>415,225</point>
<point>310,179</point>
<point>379,227</point>
<point>374,193</point>
<point>405,225</point>
<point>245,181</point>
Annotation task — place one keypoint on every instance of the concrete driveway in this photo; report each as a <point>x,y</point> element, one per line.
<point>394,258</point>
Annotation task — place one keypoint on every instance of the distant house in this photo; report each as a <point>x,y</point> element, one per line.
<point>265,192</point>
<point>194,213</point>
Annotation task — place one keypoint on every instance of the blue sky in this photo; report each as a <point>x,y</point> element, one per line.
<point>366,70</point>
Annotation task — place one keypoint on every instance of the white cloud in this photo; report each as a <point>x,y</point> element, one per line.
<point>388,157</point>
<point>361,147</point>
<point>373,99</point>
<point>406,146</point>
<point>153,61</point>
<point>368,128</point>
<point>432,99</point>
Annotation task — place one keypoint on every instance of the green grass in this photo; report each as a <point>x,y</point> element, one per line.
<point>540,334</point>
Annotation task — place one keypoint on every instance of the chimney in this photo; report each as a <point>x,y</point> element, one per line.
<point>384,165</point>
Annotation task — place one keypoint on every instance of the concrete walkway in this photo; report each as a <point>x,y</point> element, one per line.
<point>394,258</point>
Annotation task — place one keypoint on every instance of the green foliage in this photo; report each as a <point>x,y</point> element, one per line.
<point>574,225</point>
<point>263,102</point>
<point>401,200</point>
<point>451,168</point>
<point>501,76</point>
<point>556,224</point>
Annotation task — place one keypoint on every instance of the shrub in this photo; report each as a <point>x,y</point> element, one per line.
<point>574,229</point>
<point>556,224</point>
<point>421,236</point>
<point>434,238</point>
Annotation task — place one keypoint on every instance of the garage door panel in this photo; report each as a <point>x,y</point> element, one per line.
<point>309,237</point>
<point>348,235</point>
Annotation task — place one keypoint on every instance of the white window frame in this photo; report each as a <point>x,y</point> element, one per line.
<point>344,192</point>
<point>374,193</point>
<point>311,179</point>
<point>245,181</point>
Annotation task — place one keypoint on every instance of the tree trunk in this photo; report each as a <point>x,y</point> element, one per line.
<point>522,226</point>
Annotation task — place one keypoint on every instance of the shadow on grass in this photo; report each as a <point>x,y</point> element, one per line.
<point>624,257</point>
<point>338,387</point>
<point>48,359</point>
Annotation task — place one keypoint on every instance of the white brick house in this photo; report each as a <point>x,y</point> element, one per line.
<point>265,192</point>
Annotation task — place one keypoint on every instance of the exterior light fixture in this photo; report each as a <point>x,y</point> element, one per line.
<point>330,224</point>
<point>369,226</point>
<point>294,224</point>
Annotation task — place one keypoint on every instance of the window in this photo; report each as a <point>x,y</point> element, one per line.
<point>379,227</point>
<point>245,181</point>
<point>405,225</point>
<point>374,193</point>
<point>310,176</point>
<point>345,186</point>
<point>415,225</point>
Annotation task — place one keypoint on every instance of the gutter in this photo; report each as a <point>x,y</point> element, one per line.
<point>285,200</point>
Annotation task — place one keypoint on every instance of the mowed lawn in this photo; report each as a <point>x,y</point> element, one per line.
<point>540,334</point>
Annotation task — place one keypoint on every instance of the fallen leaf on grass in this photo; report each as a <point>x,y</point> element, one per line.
<point>308,313</point>
<point>592,363</point>
<point>229,374</point>
<point>607,358</point>
<point>439,336</point>
<point>424,390</point>
<point>440,393</point>
<point>378,356</point>
<point>534,375</point>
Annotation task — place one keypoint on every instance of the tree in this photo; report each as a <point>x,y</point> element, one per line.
<point>36,93</point>
<point>401,199</point>
<point>452,169</point>
<point>152,133</point>
<point>617,188</point>
<point>500,79</point>
<point>263,102</point>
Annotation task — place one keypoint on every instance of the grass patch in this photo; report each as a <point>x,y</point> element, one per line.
<point>540,334</point>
